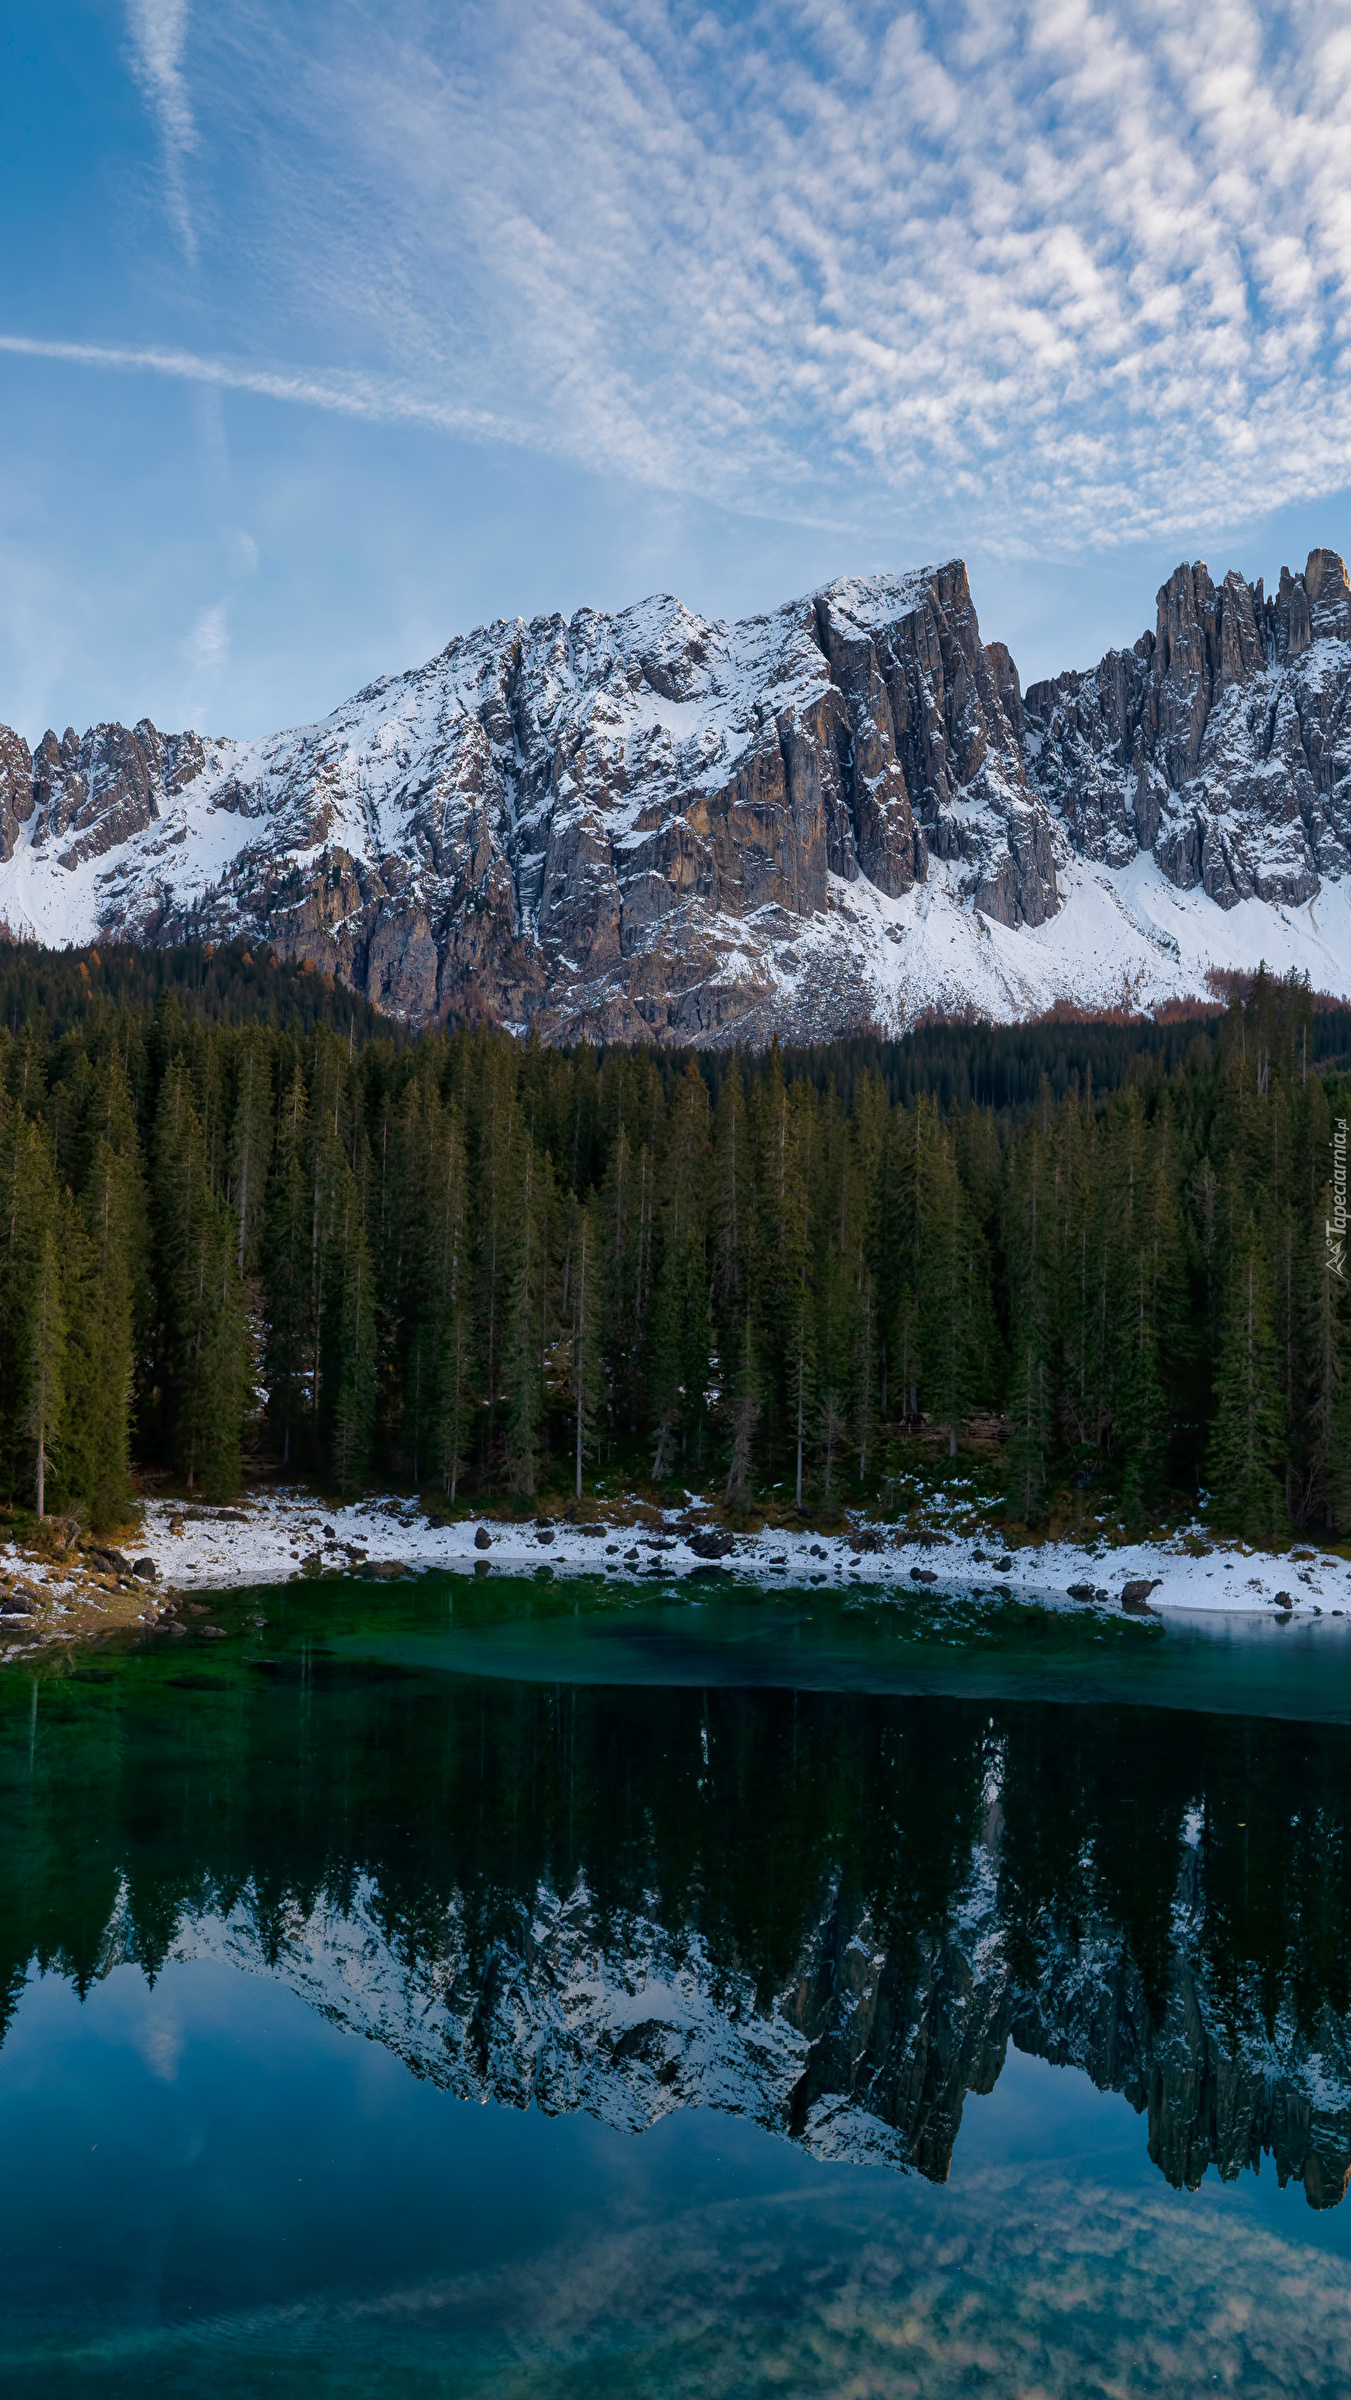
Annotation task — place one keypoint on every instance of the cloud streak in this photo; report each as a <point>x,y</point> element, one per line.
<point>1064,271</point>
<point>376,400</point>
<point>158,31</point>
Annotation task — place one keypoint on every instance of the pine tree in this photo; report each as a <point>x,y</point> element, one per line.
<point>731,1259</point>
<point>680,1348</point>
<point>450,1321</point>
<point>584,1346</point>
<point>250,1138</point>
<point>286,1273</point>
<point>745,1421</point>
<point>868,1134</point>
<point>943,1252</point>
<point>404,1256</point>
<point>498,1152</point>
<point>105,1261</point>
<point>1141,1412</point>
<point>1031,1388</point>
<point>27,1198</point>
<point>202,1341</point>
<point>522,1355</point>
<point>621,1228</point>
<point>348,1348</point>
<point>45,1360</point>
<point>794,1264</point>
<point>1245,1439</point>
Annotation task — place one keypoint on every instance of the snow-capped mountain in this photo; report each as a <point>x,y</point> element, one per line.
<point>653,826</point>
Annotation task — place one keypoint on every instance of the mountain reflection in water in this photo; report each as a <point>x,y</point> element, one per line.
<point>828,1913</point>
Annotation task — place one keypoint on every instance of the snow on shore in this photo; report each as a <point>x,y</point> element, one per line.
<point>275,1535</point>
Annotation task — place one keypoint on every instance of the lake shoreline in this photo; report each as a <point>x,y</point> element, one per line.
<point>273,1535</point>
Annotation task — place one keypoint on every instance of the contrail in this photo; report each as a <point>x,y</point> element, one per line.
<point>345,396</point>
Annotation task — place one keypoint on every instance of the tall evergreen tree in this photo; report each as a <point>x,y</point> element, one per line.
<point>203,1351</point>
<point>348,1352</point>
<point>45,1360</point>
<point>250,1137</point>
<point>943,1260</point>
<point>525,1337</point>
<point>1244,1452</point>
<point>287,1235</point>
<point>105,1263</point>
<point>584,1346</point>
<point>450,1319</point>
<point>1030,1224</point>
<point>745,1420</point>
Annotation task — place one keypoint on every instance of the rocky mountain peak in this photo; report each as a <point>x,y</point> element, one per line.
<point>651,823</point>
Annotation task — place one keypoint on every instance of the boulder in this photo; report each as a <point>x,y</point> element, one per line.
<point>711,1544</point>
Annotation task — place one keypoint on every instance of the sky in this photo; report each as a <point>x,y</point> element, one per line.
<point>328,331</point>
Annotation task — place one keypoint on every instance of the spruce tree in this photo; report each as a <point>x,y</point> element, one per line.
<point>522,1359</point>
<point>45,1361</point>
<point>792,1270</point>
<point>250,1138</point>
<point>1032,1307</point>
<point>943,1253</point>
<point>498,1151</point>
<point>731,1223</point>
<point>202,1336</point>
<point>1245,1439</point>
<point>286,1274</point>
<point>105,1262</point>
<point>584,1345</point>
<point>348,1365</point>
<point>450,1318</point>
<point>621,1232</point>
<point>1142,1422</point>
<point>745,1421</point>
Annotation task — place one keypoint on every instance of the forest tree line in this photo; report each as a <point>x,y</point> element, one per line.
<point>476,1266</point>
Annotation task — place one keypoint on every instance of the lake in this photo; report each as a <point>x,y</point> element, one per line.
<point>490,1986</point>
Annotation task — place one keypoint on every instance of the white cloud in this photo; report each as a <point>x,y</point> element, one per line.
<point>1070,270</point>
<point>158,31</point>
<point>206,650</point>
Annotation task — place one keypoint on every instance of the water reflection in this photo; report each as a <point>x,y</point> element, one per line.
<point>829,1913</point>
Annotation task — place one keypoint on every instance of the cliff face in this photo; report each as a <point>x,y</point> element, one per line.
<point>1220,743</point>
<point>650,825</point>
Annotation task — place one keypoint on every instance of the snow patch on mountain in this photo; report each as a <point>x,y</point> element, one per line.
<point>842,812</point>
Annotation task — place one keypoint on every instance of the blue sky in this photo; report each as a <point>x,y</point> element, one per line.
<point>329,331</point>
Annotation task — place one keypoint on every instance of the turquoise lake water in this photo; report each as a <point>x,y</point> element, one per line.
<point>493,1987</point>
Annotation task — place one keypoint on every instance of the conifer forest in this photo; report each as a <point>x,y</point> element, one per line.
<point>482,1268</point>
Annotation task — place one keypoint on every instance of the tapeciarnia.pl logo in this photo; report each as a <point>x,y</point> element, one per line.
<point>1335,1225</point>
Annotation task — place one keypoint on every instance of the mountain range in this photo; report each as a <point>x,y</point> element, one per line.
<point>650,826</point>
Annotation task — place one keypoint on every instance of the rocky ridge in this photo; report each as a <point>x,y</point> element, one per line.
<point>650,825</point>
